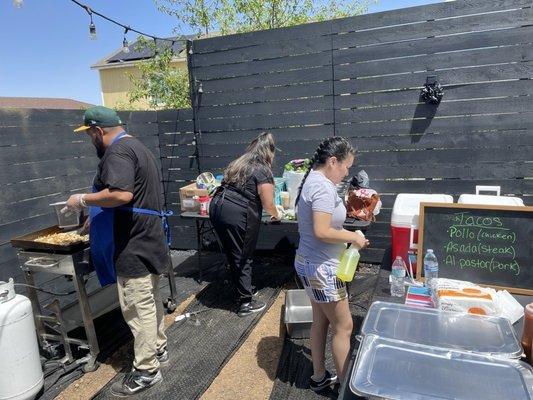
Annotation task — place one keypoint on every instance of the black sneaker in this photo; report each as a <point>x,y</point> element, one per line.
<point>135,382</point>
<point>162,357</point>
<point>251,307</point>
<point>326,381</point>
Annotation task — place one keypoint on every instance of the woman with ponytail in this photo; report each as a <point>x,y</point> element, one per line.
<point>236,210</point>
<point>321,215</point>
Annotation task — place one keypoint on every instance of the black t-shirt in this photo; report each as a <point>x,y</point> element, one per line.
<point>249,193</point>
<point>140,242</point>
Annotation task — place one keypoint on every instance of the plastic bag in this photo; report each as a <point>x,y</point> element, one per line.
<point>293,182</point>
<point>363,204</point>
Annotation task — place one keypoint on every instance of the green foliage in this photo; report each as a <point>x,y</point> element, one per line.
<point>160,83</point>
<point>165,86</point>
<point>230,16</point>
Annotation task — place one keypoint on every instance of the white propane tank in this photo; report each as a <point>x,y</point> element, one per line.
<point>21,375</point>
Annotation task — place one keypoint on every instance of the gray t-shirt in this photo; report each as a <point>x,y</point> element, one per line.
<point>319,194</point>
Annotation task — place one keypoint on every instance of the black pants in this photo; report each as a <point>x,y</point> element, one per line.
<point>237,226</point>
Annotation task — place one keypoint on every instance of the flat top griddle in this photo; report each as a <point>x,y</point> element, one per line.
<point>27,242</point>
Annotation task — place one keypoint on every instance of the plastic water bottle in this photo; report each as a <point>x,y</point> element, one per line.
<point>431,267</point>
<point>348,264</point>
<point>397,285</point>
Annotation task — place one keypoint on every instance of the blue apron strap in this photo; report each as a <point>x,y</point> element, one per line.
<point>162,214</point>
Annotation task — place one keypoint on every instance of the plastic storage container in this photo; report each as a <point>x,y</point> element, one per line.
<point>492,336</point>
<point>495,199</point>
<point>66,220</point>
<point>404,222</point>
<point>387,368</point>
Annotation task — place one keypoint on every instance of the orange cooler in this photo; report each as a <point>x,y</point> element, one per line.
<point>404,221</point>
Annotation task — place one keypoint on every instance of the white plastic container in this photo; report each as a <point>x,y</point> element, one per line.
<point>490,199</point>
<point>21,375</point>
<point>405,222</point>
<point>68,219</point>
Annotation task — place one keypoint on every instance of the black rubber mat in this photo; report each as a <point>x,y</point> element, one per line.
<point>201,345</point>
<point>295,365</point>
<point>111,329</point>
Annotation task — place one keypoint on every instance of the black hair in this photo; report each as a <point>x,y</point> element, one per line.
<point>337,147</point>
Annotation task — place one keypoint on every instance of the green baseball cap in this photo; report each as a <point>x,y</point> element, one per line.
<point>99,116</point>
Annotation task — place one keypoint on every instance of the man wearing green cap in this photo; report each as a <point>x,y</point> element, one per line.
<point>128,243</point>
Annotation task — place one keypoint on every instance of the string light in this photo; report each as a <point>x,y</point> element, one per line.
<point>18,3</point>
<point>92,27</point>
<point>125,45</point>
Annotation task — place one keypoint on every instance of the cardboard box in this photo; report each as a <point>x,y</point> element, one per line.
<point>186,197</point>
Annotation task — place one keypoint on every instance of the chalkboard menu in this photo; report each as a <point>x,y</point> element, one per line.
<point>484,244</point>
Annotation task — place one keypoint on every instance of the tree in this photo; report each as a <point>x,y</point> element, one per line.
<point>167,87</point>
<point>231,16</point>
<point>159,82</point>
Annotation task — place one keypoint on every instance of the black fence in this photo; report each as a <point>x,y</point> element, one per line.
<point>361,78</point>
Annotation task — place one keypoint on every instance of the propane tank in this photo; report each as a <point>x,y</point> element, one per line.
<point>21,374</point>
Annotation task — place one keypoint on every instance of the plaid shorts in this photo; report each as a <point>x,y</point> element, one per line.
<point>320,281</point>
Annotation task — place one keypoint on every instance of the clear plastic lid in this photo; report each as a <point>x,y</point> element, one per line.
<point>397,370</point>
<point>465,332</point>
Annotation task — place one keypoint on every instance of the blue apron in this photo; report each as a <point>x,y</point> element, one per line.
<point>101,233</point>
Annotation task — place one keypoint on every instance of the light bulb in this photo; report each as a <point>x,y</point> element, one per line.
<point>18,3</point>
<point>92,31</point>
<point>125,46</point>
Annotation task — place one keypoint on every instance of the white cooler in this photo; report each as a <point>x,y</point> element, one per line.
<point>490,199</point>
<point>404,222</point>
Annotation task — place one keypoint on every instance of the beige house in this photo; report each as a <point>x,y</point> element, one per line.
<point>115,68</point>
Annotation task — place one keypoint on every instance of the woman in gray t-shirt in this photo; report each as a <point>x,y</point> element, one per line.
<point>321,214</point>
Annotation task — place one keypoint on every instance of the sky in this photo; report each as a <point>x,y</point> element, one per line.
<point>45,50</point>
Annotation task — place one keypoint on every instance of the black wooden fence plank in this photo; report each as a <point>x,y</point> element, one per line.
<point>40,117</point>
<point>297,46</point>
<point>445,108</point>
<point>466,170</point>
<point>424,13</point>
<point>434,45</point>
<point>30,189</point>
<point>176,127</point>
<point>289,148</point>
<point>221,43</point>
<point>271,107</point>
<point>448,26</point>
<point>432,62</point>
<point>281,135</point>
<point>492,138</point>
<point>263,66</point>
<point>22,172</point>
<point>452,92</point>
<point>453,186</point>
<point>180,115</point>
<point>177,163</point>
<point>445,156</point>
<point>37,152</point>
<point>268,121</point>
<point>314,74</point>
<point>136,117</point>
<point>176,138</point>
<point>458,76</point>
<point>438,124</point>
<point>311,89</point>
